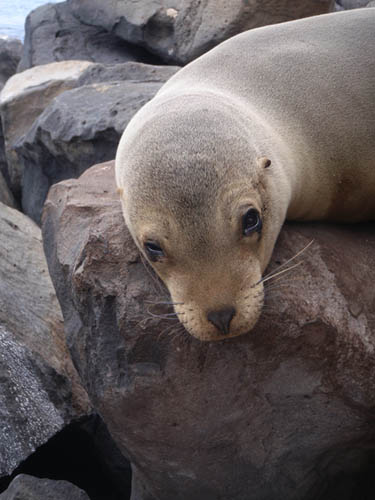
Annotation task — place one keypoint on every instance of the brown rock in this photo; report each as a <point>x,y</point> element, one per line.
<point>286,411</point>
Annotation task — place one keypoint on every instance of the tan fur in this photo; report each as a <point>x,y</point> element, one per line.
<point>280,119</point>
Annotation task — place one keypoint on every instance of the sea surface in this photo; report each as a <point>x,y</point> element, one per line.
<point>13,14</point>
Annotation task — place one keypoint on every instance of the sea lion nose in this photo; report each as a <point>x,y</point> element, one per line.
<point>222,318</point>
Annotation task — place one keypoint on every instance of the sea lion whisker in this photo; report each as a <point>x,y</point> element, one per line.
<point>153,276</point>
<point>274,271</point>
<point>263,280</point>
<point>160,316</point>
<point>167,303</point>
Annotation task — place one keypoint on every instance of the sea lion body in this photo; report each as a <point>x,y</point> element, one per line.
<point>195,159</point>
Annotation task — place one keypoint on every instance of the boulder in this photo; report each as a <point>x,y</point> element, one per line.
<point>40,391</point>
<point>24,98</point>
<point>53,34</point>
<point>25,487</point>
<point>27,94</point>
<point>181,30</point>
<point>82,127</point>
<point>286,411</point>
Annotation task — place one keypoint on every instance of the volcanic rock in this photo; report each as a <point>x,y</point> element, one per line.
<point>40,391</point>
<point>182,30</point>
<point>286,411</point>
<point>26,487</point>
<point>53,34</point>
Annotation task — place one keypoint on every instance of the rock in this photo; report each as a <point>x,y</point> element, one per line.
<point>26,487</point>
<point>352,4</point>
<point>52,34</point>
<point>180,31</point>
<point>10,55</point>
<point>286,411</point>
<point>6,196</point>
<point>69,137</point>
<point>24,98</point>
<point>134,71</point>
<point>27,94</point>
<point>40,391</point>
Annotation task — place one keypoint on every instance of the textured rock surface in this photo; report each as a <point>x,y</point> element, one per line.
<point>52,34</point>
<point>352,4</point>
<point>6,196</point>
<point>69,137</point>
<point>26,487</point>
<point>286,411</point>
<point>24,97</point>
<point>10,55</point>
<point>181,30</point>
<point>40,390</point>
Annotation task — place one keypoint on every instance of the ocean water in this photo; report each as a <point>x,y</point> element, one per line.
<point>13,14</point>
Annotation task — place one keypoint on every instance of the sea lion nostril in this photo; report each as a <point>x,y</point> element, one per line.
<point>222,318</point>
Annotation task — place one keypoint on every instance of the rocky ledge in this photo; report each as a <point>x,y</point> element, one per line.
<point>286,411</point>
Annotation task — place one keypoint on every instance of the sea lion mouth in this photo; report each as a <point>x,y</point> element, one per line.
<point>221,322</point>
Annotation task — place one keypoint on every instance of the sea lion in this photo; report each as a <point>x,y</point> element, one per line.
<point>277,122</point>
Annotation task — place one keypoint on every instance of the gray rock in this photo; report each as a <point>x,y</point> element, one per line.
<point>133,71</point>
<point>283,412</point>
<point>10,55</point>
<point>80,128</point>
<point>52,34</point>
<point>23,99</point>
<point>352,4</point>
<point>181,30</point>
<point>6,196</point>
<point>25,487</point>
<point>3,161</point>
<point>40,391</point>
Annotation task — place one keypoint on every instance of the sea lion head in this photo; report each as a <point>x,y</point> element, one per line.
<point>196,196</point>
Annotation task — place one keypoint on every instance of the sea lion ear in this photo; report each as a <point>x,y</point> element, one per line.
<point>263,162</point>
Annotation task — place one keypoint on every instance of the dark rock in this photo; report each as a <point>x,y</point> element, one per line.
<point>286,411</point>
<point>40,391</point>
<point>10,55</point>
<point>78,129</point>
<point>84,454</point>
<point>180,31</point>
<point>26,487</point>
<point>23,99</point>
<point>52,34</point>
<point>27,94</point>
<point>134,71</point>
<point>6,196</point>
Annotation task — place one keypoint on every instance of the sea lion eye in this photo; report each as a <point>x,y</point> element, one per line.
<point>153,250</point>
<point>251,222</point>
